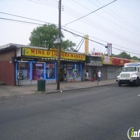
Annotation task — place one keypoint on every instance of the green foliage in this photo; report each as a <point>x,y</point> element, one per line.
<point>135,58</point>
<point>68,45</point>
<point>125,55</point>
<point>44,36</point>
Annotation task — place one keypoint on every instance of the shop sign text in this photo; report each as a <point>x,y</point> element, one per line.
<point>51,54</point>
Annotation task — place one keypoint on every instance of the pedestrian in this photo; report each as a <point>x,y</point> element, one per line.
<point>87,75</point>
<point>99,75</point>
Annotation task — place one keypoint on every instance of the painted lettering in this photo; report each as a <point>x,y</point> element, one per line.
<point>48,53</point>
<point>43,52</point>
<point>32,50</point>
<point>39,51</point>
<point>62,54</point>
<point>54,53</point>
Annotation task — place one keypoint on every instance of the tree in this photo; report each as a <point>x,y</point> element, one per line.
<point>135,58</point>
<point>44,36</point>
<point>68,45</point>
<point>124,55</point>
<point>113,55</point>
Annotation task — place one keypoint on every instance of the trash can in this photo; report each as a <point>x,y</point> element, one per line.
<point>41,85</point>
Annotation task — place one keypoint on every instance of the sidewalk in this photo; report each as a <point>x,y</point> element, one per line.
<point>6,91</point>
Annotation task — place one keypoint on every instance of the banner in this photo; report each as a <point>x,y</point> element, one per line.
<point>32,52</point>
<point>119,61</point>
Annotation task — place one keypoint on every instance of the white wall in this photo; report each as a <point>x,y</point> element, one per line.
<point>18,52</point>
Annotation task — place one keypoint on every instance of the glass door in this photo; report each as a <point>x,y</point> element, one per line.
<point>23,70</point>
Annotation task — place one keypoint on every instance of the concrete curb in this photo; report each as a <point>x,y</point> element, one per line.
<point>51,92</point>
<point>66,90</point>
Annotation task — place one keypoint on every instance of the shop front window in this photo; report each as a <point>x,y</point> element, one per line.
<point>50,71</point>
<point>23,70</point>
<point>73,72</point>
<point>38,71</point>
<point>70,70</point>
<point>78,71</point>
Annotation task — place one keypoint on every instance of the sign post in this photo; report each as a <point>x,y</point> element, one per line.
<point>109,49</point>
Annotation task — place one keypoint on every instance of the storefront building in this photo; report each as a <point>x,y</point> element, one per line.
<point>32,63</point>
<point>112,66</point>
<point>92,65</point>
<point>24,65</point>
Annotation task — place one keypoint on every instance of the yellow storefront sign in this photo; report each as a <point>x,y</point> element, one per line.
<point>51,54</point>
<point>107,60</point>
<point>86,44</point>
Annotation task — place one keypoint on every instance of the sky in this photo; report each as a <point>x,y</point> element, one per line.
<point>117,23</point>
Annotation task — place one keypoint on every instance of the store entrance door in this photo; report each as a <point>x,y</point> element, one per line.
<point>22,73</point>
<point>63,73</point>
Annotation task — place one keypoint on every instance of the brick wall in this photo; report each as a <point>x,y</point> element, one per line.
<point>7,71</point>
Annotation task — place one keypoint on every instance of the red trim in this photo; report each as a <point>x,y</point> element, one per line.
<point>119,61</point>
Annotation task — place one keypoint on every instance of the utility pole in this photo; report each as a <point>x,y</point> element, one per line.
<point>59,47</point>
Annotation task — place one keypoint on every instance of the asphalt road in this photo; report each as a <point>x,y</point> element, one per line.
<point>101,113</point>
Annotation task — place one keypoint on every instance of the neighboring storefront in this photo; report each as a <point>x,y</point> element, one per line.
<point>7,66</point>
<point>33,63</point>
<point>92,64</point>
<point>22,65</point>
<point>112,66</point>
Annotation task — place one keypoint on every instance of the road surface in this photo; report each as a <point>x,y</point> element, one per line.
<point>101,113</point>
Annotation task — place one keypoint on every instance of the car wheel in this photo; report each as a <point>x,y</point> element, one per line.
<point>119,84</point>
<point>137,83</point>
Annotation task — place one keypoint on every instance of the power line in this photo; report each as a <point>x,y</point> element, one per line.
<point>42,3</point>
<point>81,5</point>
<point>21,21</point>
<point>52,1</point>
<point>70,10</point>
<point>49,1</point>
<point>112,33</point>
<point>84,34</point>
<point>101,43</point>
<point>90,13</point>
<point>24,17</point>
<point>109,32</point>
<point>35,23</point>
<point>118,17</point>
<point>83,37</point>
<point>104,29</point>
<point>67,31</point>
<point>106,19</point>
<point>100,39</point>
<point>79,45</point>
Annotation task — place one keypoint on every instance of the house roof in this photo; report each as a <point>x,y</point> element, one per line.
<point>12,46</point>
